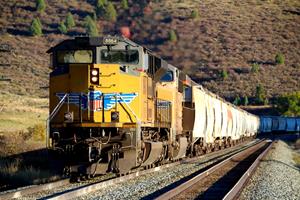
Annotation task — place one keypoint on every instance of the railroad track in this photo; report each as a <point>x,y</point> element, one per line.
<point>65,190</point>
<point>223,180</point>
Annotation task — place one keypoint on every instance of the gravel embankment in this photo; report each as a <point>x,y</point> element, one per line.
<point>277,177</point>
<point>148,186</point>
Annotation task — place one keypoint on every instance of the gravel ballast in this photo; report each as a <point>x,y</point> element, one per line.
<point>277,176</point>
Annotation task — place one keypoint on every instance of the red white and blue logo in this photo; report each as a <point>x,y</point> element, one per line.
<point>96,100</point>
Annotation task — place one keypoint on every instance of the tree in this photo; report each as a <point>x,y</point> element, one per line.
<point>224,74</point>
<point>110,12</point>
<point>124,4</point>
<point>40,5</point>
<point>246,101</point>
<point>62,28</point>
<point>279,59</point>
<point>69,23</point>
<point>260,96</point>
<point>172,36</point>
<point>237,101</point>
<point>36,27</point>
<point>255,67</point>
<point>289,104</point>
<point>90,26</point>
<point>194,14</point>
<point>100,7</point>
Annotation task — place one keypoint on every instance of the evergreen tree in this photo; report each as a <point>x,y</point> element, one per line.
<point>246,101</point>
<point>255,68</point>
<point>172,36</point>
<point>289,104</point>
<point>110,12</point>
<point>260,95</point>
<point>100,7</point>
<point>194,14</point>
<point>279,59</point>
<point>69,23</point>
<point>62,28</point>
<point>40,5</point>
<point>224,74</point>
<point>36,27</point>
<point>237,101</point>
<point>90,26</point>
<point>124,4</point>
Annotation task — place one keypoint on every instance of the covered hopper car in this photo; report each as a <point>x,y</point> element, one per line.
<point>115,106</point>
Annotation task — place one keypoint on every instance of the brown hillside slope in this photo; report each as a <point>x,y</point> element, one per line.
<point>227,35</point>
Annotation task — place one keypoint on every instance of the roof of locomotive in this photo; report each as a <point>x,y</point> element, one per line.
<point>85,42</point>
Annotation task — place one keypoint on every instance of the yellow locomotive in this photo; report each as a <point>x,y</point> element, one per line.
<point>115,106</point>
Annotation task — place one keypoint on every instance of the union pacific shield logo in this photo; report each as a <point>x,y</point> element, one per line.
<point>96,100</point>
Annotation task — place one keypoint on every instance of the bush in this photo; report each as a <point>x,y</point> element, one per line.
<point>100,7</point>
<point>37,132</point>
<point>237,101</point>
<point>62,28</point>
<point>260,96</point>
<point>69,23</point>
<point>255,68</point>
<point>110,12</point>
<point>124,4</point>
<point>279,59</point>
<point>194,14</point>
<point>246,101</point>
<point>90,26</point>
<point>224,74</point>
<point>36,27</point>
<point>172,36</point>
<point>289,104</point>
<point>40,5</point>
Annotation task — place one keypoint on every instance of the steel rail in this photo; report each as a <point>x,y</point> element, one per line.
<point>82,190</point>
<point>48,186</point>
<point>33,189</point>
<point>233,193</point>
<point>186,185</point>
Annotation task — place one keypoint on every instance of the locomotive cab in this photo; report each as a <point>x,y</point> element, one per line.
<point>104,108</point>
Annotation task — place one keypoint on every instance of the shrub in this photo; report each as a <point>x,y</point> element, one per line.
<point>194,14</point>
<point>90,26</point>
<point>289,104</point>
<point>237,101</point>
<point>36,27</point>
<point>279,59</point>
<point>255,68</point>
<point>124,4</point>
<point>260,96</point>
<point>69,23</point>
<point>62,28</point>
<point>37,132</point>
<point>246,101</point>
<point>110,12</point>
<point>100,7</point>
<point>40,5</point>
<point>172,36</point>
<point>224,74</point>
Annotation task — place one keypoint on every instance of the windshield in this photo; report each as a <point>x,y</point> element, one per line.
<point>120,56</point>
<point>74,56</point>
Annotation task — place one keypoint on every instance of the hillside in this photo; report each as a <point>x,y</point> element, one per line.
<point>227,35</point>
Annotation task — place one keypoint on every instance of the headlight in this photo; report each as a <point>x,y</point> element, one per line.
<point>94,72</point>
<point>94,79</point>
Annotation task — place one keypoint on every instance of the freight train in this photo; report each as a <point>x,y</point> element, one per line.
<point>278,124</point>
<point>115,106</point>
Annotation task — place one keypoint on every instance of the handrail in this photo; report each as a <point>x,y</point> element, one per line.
<point>138,120</point>
<point>54,112</point>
